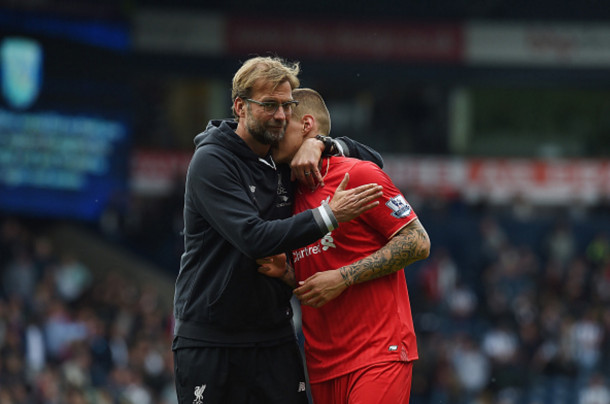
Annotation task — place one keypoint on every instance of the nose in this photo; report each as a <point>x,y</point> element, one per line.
<point>280,114</point>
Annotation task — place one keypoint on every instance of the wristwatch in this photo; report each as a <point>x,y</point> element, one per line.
<point>329,145</point>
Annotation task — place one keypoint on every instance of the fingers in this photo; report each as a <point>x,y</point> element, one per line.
<point>310,175</point>
<point>317,175</point>
<point>312,303</point>
<point>368,207</point>
<point>308,294</point>
<point>372,195</point>
<point>364,194</point>
<point>368,196</point>
<point>298,292</point>
<point>263,261</point>
<point>369,202</point>
<point>303,293</point>
<point>343,184</point>
<point>301,172</point>
<point>347,205</point>
<point>310,180</point>
<point>366,190</point>
<point>307,297</point>
<point>313,178</point>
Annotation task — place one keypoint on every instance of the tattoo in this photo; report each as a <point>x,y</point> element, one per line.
<point>410,244</point>
<point>289,278</point>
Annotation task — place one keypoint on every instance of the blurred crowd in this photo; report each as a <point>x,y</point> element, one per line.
<point>510,308</point>
<point>69,337</point>
<point>522,317</point>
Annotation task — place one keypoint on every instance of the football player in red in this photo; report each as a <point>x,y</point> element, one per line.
<point>360,342</point>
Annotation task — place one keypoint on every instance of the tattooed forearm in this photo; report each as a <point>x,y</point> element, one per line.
<point>289,277</point>
<point>407,246</point>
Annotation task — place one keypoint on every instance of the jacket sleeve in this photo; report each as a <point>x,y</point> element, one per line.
<point>217,192</point>
<point>351,148</point>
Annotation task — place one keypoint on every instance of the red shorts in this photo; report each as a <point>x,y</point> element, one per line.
<point>381,383</point>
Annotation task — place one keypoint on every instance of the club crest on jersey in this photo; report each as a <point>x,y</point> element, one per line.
<point>400,207</point>
<point>327,242</point>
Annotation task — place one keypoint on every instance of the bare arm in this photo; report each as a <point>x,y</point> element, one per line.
<point>308,158</point>
<point>409,245</point>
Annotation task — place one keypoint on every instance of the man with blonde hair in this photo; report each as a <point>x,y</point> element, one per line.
<point>234,337</point>
<point>359,337</point>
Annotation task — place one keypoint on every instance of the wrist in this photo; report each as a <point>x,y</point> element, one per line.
<point>346,280</point>
<point>327,219</point>
<point>329,145</point>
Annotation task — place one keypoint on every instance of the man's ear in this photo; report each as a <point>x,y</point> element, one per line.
<point>239,106</point>
<point>308,122</point>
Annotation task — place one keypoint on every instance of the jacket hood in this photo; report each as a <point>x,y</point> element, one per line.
<point>221,132</point>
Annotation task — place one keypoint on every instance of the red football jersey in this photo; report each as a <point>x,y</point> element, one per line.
<point>369,322</point>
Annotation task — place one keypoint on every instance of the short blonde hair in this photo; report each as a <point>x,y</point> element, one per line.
<point>312,103</point>
<point>270,69</point>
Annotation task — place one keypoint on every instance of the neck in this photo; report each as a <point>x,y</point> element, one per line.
<point>260,149</point>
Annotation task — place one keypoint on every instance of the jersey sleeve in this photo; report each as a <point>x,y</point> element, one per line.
<point>394,211</point>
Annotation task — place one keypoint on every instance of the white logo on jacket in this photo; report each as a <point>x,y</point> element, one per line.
<point>280,187</point>
<point>282,194</point>
<point>199,394</point>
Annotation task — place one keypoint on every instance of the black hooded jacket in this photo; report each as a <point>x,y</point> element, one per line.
<point>238,208</point>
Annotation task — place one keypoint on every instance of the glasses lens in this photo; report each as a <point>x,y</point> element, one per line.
<point>288,106</point>
<point>270,107</point>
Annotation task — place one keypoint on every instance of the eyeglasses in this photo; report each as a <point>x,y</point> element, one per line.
<point>270,107</point>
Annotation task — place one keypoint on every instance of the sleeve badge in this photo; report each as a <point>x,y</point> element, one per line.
<point>400,207</point>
